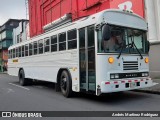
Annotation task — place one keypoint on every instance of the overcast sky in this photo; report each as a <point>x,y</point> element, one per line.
<point>12,9</point>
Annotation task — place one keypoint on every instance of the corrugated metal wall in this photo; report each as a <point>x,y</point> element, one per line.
<point>42,12</point>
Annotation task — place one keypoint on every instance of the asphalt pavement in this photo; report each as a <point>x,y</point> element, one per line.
<point>43,97</point>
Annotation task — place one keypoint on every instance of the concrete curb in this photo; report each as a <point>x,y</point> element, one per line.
<point>151,90</point>
<point>148,91</point>
<point>3,73</point>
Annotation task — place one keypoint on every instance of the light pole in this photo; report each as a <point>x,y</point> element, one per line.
<point>1,68</point>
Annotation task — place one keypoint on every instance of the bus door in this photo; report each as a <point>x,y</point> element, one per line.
<point>87,59</point>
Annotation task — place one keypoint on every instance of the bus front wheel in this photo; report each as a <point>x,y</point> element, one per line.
<point>66,84</point>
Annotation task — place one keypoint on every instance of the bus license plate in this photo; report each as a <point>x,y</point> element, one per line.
<point>132,85</point>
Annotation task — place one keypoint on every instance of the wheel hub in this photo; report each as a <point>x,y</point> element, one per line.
<point>64,83</point>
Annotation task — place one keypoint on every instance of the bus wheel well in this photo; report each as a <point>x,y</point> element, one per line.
<point>57,87</point>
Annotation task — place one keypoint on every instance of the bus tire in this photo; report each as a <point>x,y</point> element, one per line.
<point>66,84</point>
<point>22,80</point>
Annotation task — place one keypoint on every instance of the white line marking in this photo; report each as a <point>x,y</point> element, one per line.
<point>9,90</point>
<point>19,86</point>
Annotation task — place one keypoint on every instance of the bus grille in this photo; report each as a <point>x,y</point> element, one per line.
<point>130,65</point>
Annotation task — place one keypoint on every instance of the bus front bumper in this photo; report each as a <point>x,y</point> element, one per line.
<point>126,84</point>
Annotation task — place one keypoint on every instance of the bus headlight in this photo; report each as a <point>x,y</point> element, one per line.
<point>145,74</point>
<point>114,76</point>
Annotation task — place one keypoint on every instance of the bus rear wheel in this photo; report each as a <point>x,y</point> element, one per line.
<point>22,80</point>
<point>66,84</point>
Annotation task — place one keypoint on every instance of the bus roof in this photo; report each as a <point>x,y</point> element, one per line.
<point>110,16</point>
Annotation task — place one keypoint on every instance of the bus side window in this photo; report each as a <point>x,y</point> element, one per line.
<point>47,44</point>
<point>53,43</point>
<point>11,54</point>
<point>82,38</point>
<point>35,51</point>
<point>72,39</point>
<point>40,46</point>
<point>14,53</point>
<point>17,52</point>
<point>30,49</point>
<point>20,51</point>
<point>90,36</point>
<point>62,41</point>
<point>23,51</point>
<point>26,50</point>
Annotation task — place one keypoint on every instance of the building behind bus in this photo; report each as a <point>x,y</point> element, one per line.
<point>6,40</point>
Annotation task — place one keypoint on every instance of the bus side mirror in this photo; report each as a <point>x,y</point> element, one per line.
<point>148,46</point>
<point>106,32</point>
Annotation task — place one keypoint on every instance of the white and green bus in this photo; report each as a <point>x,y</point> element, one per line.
<point>102,53</point>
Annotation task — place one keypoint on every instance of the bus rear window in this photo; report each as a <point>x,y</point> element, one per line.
<point>14,53</point>
<point>9,54</point>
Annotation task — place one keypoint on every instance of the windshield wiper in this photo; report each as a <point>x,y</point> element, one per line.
<point>133,44</point>
<point>122,47</point>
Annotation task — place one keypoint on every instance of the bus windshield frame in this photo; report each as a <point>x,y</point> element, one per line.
<point>125,40</point>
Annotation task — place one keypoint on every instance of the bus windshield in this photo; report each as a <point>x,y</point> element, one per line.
<point>125,40</point>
